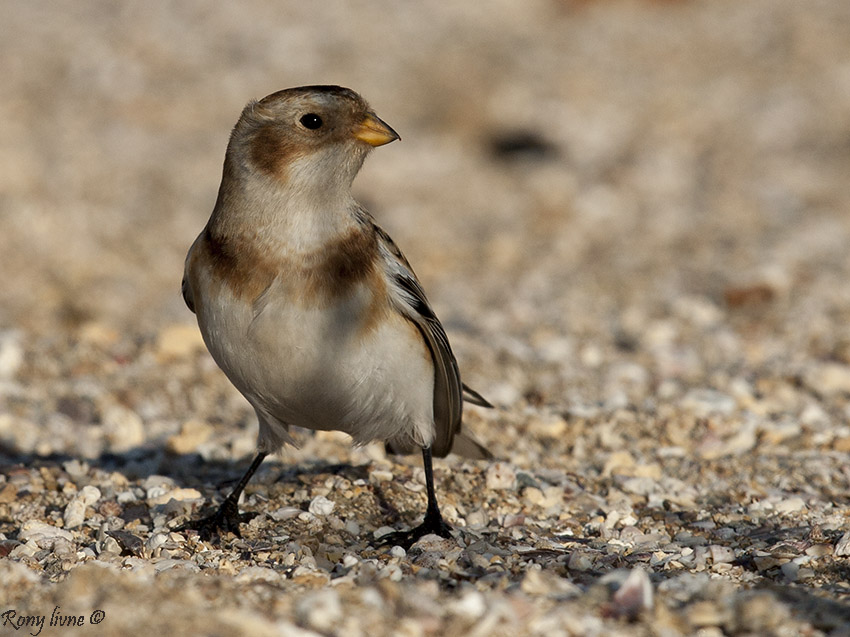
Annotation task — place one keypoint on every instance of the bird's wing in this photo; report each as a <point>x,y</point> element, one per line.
<point>409,298</point>
<point>187,294</point>
<point>185,286</point>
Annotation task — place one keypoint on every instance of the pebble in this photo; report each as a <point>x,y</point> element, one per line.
<point>110,545</point>
<point>382,531</point>
<point>620,462</point>
<point>380,475</point>
<point>75,510</point>
<point>705,402</point>
<point>353,528</point>
<point>193,433</point>
<point>790,505</point>
<point>285,513</point>
<point>791,571</point>
<point>434,543</point>
<point>258,574</point>
<point>842,547</point>
<point>11,353</point>
<point>819,550</point>
<point>321,506</point>
<point>540,583</point>
<point>168,564</point>
<point>477,519</point>
<point>178,341</point>
<point>125,497</point>
<point>499,476</point>
<point>721,554</point>
<point>42,532</point>
<point>513,519</point>
<point>154,481</point>
<point>89,495</point>
<point>76,468</point>
<point>98,333</point>
<point>123,427</point>
<point>758,613</point>
<point>75,514</point>
<point>546,498</point>
<point>698,309</point>
<point>155,541</point>
<point>28,549</point>
<point>8,493</point>
<point>161,496</point>
<point>547,424</point>
<point>64,549</point>
<point>706,613</point>
<point>15,574</point>
<point>321,610</point>
<point>829,379</point>
<point>634,596</point>
<point>470,606</point>
<point>580,561</point>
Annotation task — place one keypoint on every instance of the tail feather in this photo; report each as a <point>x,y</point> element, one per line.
<point>474,398</point>
<point>462,445</point>
<point>466,446</point>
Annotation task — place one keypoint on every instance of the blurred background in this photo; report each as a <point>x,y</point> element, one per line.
<point>579,184</point>
<point>630,215</point>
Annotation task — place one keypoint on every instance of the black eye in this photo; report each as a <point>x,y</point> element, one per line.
<point>311,121</point>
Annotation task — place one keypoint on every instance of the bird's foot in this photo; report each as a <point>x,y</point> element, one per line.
<point>226,519</point>
<point>433,524</point>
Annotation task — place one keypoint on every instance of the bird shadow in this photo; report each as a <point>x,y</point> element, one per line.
<point>138,464</point>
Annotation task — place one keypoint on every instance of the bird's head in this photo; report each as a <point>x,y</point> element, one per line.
<point>311,137</point>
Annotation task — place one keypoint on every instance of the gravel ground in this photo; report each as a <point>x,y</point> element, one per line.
<point>631,217</point>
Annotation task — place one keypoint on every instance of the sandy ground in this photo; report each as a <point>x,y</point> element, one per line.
<point>632,218</point>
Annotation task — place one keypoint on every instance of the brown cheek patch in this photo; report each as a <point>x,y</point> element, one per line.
<point>271,150</point>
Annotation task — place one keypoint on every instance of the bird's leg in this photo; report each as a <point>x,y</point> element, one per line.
<point>227,517</point>
<point>433,522</point>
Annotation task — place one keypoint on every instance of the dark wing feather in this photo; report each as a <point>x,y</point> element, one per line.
<point>187,294</point>
<point>411,301</point>
<point>449,391</point>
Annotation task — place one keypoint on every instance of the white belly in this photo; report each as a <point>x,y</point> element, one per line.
<point>324,368</point>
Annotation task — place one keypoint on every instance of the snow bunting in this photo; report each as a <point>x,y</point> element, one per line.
<point>308,306</point>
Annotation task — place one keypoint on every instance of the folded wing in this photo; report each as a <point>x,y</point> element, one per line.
<point>449,392</point>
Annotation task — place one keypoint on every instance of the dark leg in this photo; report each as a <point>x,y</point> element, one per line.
<point>433,522</point>
<point>227,517</point>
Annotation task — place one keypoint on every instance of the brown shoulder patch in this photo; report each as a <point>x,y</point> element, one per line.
<point>316,280</point>
<point>343,263</point>
<point>237,264</point>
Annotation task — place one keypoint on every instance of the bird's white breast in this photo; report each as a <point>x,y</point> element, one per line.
<point>325,367</point>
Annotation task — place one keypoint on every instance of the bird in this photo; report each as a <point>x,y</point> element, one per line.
<point>309,307</point>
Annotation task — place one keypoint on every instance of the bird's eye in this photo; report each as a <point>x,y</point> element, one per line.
<point>311,121</point>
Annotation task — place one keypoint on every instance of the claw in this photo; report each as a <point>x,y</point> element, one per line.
<point>405,539</point>
<point>226,519</point>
